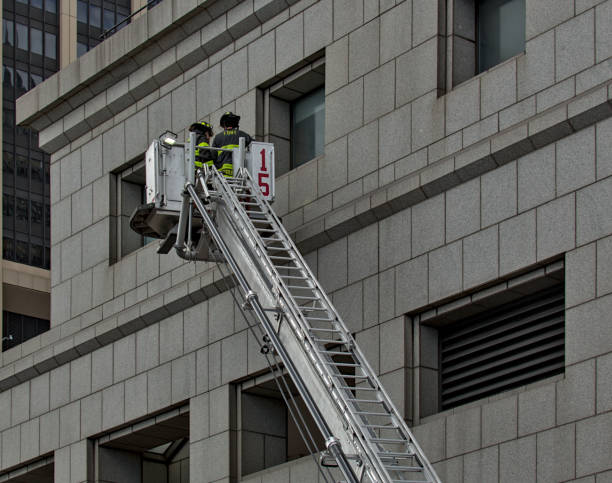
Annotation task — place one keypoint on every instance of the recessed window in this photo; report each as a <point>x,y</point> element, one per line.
<point>501,31</point>
<point>308,127</point>
<point>17,328</point>
<point>483,33</point>
<point>127,194</point>
<point>294,111</point>
<point>268,433</point>
<point>94,17</point>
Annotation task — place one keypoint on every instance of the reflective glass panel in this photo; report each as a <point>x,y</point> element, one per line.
<point>36,3</point>
<point>501,31</point>
<point>308,127</point>
<point>50,45</point>
<point>21,252</point>
<point>7,77</point>
<point>51,6</point>
<point>7,32</point>
<point>81,48</point>
<point>82,11</point>
<point>21,32</point>
<point>36,38</point>
<point>21,82</point>
<point>109,19</point>
<point>21,215</point>
<point>95,16</point>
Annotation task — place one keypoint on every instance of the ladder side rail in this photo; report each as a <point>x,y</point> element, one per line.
<point>324,370</point>
<point>331,442</point>
<point>410,439</point>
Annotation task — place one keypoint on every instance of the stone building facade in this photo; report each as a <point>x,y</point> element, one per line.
<point>442,197</point>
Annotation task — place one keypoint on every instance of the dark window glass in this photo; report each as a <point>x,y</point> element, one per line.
<point>21,218</point>
<point>18,328</point>
<point>8,169</point>
<point>51,6</point>
<point>24,167</point>
<point>36,38</point>
<point>501,31</point>
<point>82,11</point>
<point>95,16</point>
<point>7,32</point>
<point>7,77</point>
<point>109,19</point>
<point>37,218</point>
<point>22,172</point>
<point>21,32</point>
<point>22,82</point>
<point>35,79</point>
<point>8,211</point>
<point>308,127</point>
<point>8,248</point>
<point>21,252</point>
<point>81,48</point>
<point>50,45</point>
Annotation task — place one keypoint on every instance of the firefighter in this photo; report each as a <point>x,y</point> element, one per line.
<point>204,133</point>
<point>228,139</point>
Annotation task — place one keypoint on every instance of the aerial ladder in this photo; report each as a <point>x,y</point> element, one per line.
<point>206,216</point>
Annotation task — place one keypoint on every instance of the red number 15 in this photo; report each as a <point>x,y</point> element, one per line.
<point>261,177</point>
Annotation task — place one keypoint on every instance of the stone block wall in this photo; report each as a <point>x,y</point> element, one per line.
<point>425,194</point>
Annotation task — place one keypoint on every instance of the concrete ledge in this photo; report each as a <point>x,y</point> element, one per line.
<point>190,35</point>
<point>502,148</point>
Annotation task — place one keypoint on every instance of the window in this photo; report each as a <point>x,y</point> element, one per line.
<point>17,328</point>
<point>295,116</point>
<point>127,194</point>
<point>493,342</point>
<point>501,31</point>
<point>267,432</point>
<point>482,34</point>
<point>30,54</point>
<point>94,17</point>
<point>308,127</point>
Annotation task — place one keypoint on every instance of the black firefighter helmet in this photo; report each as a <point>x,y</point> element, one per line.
<point>201,127</point>
<point>229,119</point>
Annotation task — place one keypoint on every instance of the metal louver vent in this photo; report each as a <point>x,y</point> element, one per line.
<point>502,348</point>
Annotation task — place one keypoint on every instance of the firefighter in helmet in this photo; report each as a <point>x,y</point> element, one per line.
<point>204,133</point>
<point>228,139</point>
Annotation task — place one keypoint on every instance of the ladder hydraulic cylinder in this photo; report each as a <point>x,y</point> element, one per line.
<point>333,446</point>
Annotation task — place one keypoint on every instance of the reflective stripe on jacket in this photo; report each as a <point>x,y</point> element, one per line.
<point>228,139</point>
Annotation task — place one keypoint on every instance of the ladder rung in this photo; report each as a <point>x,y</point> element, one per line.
<point>248,203</point>
<point>373,401</point>
<point>380,426</point>
<point>293,277</point>
<point>404,468</point>
<point>311,309</point>
<point>300,287</point>
<point>318,329</point>
<point>385,440</point>
<point>287,267</point>
<point>323,319</point>
<point>329,341</point>
<point>342,364</point>
<point>390,454</point>
<point>286,259</point>
<point>305,297</point>
<point>336,353</point>
<point>357,388</point>
<point>350,376</point>
<point>380,440</point>
<point>279,249</point>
